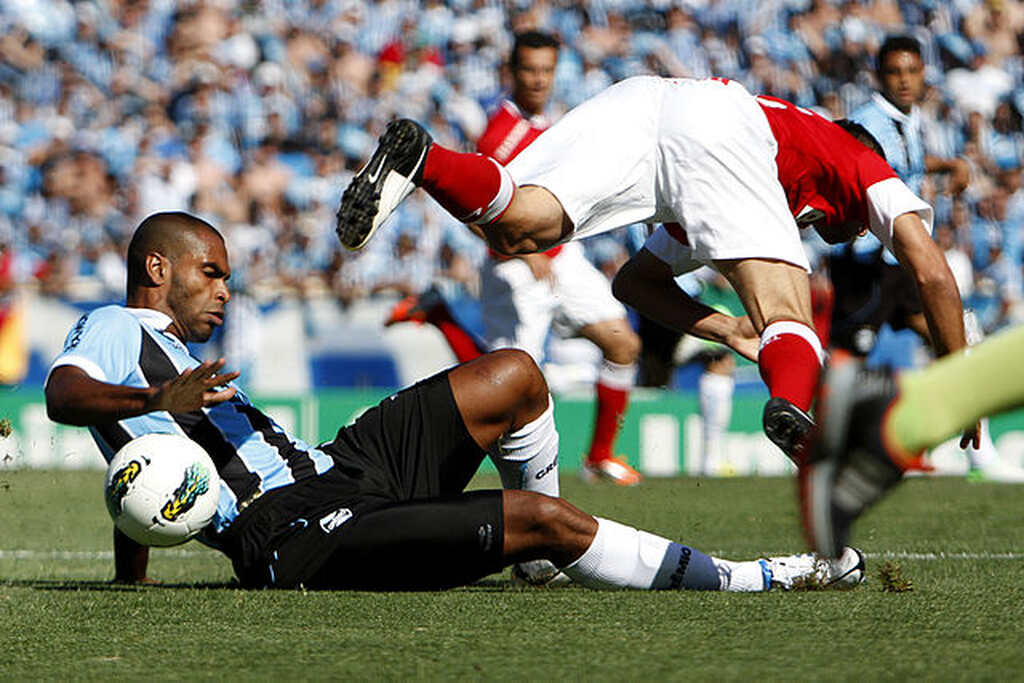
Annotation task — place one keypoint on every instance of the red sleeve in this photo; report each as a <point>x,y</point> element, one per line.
<point>507,134</point>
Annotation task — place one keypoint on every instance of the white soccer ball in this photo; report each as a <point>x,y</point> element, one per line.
<point>161,489</point>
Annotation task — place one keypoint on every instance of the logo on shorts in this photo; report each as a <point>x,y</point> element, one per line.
<point>335,519</point>
<point>485,534</point>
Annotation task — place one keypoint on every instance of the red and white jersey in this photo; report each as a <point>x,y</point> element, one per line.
<point>830,178</point>
<point>508,133</point>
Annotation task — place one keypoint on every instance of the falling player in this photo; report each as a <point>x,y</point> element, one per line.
<point>738,174</point>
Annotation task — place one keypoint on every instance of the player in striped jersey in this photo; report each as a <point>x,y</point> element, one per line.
<point>732,178</point>
<point>382,505</point>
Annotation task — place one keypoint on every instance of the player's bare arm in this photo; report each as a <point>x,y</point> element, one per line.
<point>958,169</point>
<point>919,254</point>
<point>74,398</point>
<point>943,309</point>
<point>646,283</point>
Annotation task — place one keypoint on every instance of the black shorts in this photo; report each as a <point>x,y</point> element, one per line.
<point>390,515</point>
<point>868,294</point>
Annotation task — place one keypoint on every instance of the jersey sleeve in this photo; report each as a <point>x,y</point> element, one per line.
<point>105,343</point>
<point>889,199</point>
<point>677,255</point>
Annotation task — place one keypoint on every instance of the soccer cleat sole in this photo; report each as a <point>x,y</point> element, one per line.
<point>379,187</point>
<point>787,427</point>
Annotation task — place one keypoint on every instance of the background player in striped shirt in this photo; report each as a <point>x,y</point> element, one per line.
<point>382,505</point>
<point>523,295</point>
<point>871,288</point>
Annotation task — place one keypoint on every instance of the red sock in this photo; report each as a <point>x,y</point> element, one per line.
<point>470,187</point>
<point>789,365</point>
<point>611,406</point>
<point>461,342</point>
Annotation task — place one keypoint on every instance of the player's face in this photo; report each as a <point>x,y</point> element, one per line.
<point>533,77</point>
<point>198,287</point>
<point>902,77</point>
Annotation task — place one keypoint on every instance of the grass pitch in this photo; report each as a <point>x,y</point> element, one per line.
<point>960,547</point>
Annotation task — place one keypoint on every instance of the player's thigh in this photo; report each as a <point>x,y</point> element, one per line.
<point>599,159</point>
<point>426,545</point>
<point>769,290</point>
<point>517,308</point>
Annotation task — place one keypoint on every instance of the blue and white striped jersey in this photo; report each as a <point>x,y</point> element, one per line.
<point>253,454</point>
<point>900,136</point>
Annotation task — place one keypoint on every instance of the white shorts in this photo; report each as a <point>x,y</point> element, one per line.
<point>518,310</point>
<point>653,150</point>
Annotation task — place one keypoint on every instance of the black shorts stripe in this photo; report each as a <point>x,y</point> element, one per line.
<point>157,368</point>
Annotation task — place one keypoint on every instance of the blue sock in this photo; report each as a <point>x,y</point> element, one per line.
<point>689,568</point>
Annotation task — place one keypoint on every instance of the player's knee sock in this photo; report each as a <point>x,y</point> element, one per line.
<point>461,342</point>
<point>614,382</point>
<point>715,393</point>
<point>955,391</point>
<point>790,360</point>
<point>623,557</point>
<point>527,459</point>
<point>471,187</point>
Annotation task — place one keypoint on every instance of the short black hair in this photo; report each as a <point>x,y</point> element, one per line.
<point>165,233</point>
<point>531,39</point>
<point>896,43</point>
<point>862,134</point>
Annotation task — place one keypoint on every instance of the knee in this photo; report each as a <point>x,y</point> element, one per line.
<point>517,368</point>
<point>553,519</point>
<point>625,347</point>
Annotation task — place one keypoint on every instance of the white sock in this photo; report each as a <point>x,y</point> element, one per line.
<point>985,455</point>
<point>715,392</point>
<point>616,375</point>
<point>527,459</point>
<point>623,557</point>
<point>742,577</point>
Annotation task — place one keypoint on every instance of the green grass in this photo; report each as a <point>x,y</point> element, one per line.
<point>59,618</point>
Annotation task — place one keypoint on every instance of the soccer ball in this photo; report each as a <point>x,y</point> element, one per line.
<point>161,489</point>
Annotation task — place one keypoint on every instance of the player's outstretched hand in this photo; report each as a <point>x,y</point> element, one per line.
<point>195,388</point>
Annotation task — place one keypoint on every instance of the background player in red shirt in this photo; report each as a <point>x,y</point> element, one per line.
<point>523,295</point>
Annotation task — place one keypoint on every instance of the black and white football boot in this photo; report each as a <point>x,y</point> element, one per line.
<point>787,427</point>
<point>849,467</point>
<point>392,173</point>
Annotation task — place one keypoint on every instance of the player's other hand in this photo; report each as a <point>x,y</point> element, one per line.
<point>959,176</point>
<point>744,340</point>
<point>195,388</point>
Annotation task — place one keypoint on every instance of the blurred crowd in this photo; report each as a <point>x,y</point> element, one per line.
<point>254,114</point>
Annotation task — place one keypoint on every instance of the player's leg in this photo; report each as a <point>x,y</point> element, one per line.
<point>587,308</point>
<point>620,348</point>
<point>430,545</point>
<point>472,187</point>
<point>430,307</point>
<point>874,427</point>
<point>566,180</point>
<point>776,296</point>
<point>504,403</point>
